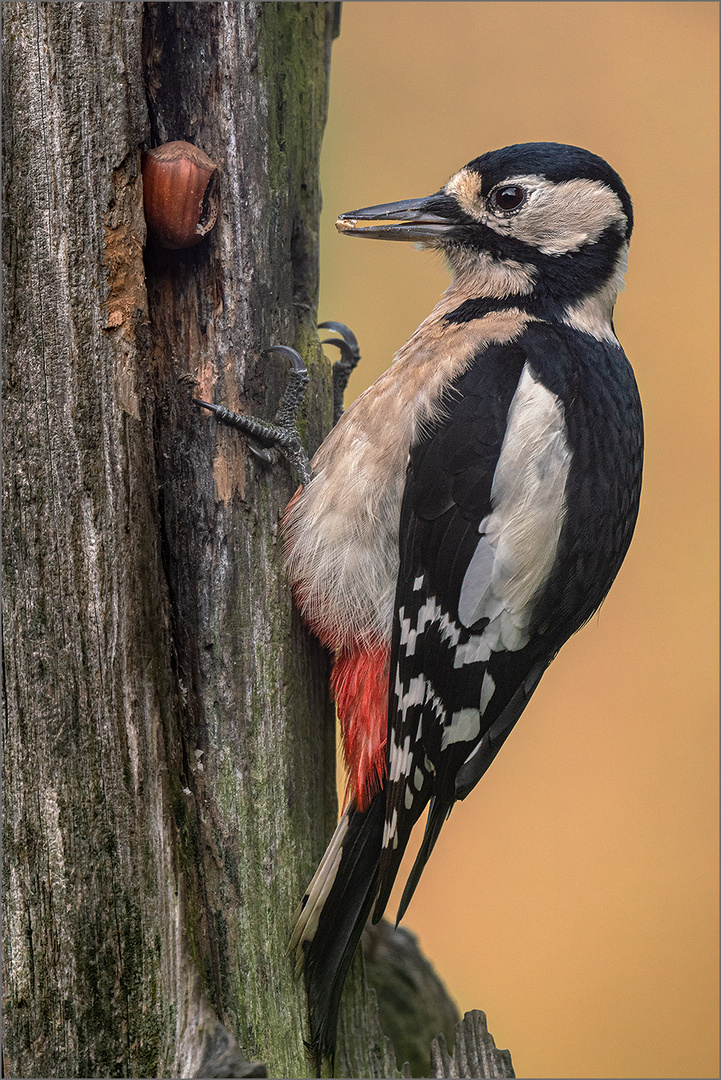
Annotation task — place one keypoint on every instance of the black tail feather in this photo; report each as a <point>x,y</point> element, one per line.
<point>437,815</point>
<point>327,948</point>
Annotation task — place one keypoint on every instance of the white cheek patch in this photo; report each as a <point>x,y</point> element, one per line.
<point>559,218</point>
<point>593,315</point>
<point>520,536</point>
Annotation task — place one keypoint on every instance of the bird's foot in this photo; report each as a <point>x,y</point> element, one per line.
<point>281,435</point>
<point>349,357</point>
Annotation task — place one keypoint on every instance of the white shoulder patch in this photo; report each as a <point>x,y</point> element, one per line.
<point>519,538</point>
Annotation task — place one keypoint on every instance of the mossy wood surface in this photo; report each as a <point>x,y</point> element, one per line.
<point>168,741</point>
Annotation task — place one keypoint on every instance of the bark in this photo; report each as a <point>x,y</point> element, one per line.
<point>474,1053</point>
<point>168,741</point>
<point>413,1003</point>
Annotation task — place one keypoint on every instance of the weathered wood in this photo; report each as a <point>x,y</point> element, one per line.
<point>474,1053</point>
<point>168,742</point>
<point>168,757</point>
<point>247,84</point>
<point>413,1003</point>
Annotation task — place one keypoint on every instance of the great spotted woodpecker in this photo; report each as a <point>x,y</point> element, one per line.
<point>467,514</point>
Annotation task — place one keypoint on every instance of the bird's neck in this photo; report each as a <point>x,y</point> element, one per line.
<point>483,285</point>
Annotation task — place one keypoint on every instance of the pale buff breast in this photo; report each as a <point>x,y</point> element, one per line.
<point>342,529</point>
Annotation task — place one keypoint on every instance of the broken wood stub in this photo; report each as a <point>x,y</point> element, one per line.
<point>474,1053</point>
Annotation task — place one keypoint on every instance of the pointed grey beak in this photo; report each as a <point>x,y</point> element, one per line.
<point>413,219</point>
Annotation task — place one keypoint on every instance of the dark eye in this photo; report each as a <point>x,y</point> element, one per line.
<point>508,198</point>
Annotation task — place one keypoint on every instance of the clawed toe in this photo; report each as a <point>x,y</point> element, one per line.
<point>281,436</point>
<point>268,440</point>
<point>342,369</point>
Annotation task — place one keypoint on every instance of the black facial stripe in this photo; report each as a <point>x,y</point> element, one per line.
<point>480,306</point>
<point>560,280</point>
<point>482,238</point>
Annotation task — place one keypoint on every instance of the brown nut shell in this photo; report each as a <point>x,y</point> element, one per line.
<point>180,194</point>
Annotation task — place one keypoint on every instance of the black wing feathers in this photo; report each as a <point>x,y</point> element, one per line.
<point>438,675</point>
<point>604,421</point>
<point>447,495</point>
<point>437,817</point>
<point>450,473</point>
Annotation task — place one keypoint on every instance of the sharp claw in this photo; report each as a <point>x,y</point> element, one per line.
<point>290,354</point>
<point>269,457</point>
<point>350,355</point>
<point>340,328</point>
<point>225,415</point>
<point>205,404</point>
<point>345,348</point>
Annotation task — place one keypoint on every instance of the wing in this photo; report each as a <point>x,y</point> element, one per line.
<point>482,512</point>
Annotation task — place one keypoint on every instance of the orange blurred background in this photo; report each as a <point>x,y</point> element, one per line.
<point>573,896</point>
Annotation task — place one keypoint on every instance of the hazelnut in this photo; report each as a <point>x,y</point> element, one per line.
<point>179,194</point>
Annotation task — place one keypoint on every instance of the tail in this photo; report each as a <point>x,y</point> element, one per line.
<point>437,816</point>
<point>332,915</point>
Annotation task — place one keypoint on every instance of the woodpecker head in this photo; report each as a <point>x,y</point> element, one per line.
<point>540,226</point>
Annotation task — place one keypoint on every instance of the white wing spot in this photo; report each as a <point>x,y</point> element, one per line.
<point>400,759</point>
<point>418,779</point>
<point>474,651</point>
<point>429,613</point>
<point>389,831</point>
<point>414,695</point>
<point>487,687</point>
<point>409,797</point>
<point>464,726</point>
<point>408,636</point>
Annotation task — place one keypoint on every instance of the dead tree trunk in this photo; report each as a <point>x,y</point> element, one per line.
<point>168,740</point>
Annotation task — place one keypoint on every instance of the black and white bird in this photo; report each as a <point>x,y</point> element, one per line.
<point>467,514</point>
